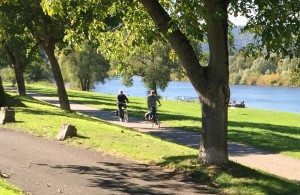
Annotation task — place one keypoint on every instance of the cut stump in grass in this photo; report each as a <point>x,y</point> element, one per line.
<point>7,115</point>
<point>66,130</point>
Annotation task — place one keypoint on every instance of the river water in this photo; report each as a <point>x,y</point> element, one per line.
<point>262,97</point>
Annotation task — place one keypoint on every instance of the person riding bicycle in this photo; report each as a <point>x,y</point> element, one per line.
<point>151,100</point>
<point>122,99</point>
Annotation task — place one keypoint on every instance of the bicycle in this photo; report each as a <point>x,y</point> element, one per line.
<point>153,117</point>
<point>123,113</point>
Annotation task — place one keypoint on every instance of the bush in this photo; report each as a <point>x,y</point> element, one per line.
<point>250,77</point>
<point>8,75</point>
<point>273,79</point>
<point>37,72</point>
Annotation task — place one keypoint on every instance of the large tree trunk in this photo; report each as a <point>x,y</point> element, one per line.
<point>211,82</point>
<point>216,94</point>
<point>61,90</point>
<point>18,66</point>
<point>2,95</point>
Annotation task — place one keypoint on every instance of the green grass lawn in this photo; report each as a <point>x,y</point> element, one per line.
<point>275,131</point>
<point>7,189</point>
<point>42,119</point>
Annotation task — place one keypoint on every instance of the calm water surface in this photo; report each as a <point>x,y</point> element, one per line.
<point>270,98</point>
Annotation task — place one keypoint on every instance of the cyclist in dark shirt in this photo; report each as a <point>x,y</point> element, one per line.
<point>122,99</point>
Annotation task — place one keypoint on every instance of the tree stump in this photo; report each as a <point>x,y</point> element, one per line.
<point>7,115</point>
<point>66,130</point>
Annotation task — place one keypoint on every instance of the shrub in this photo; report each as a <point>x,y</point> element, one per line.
<point>8,75</point>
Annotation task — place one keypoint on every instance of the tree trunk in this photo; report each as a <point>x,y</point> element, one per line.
<point>19,73</point>
<point>88,85</point>
<point>61,90</point>
<point>18,66</point>
<point>216,95</point>
<point>2,95</point>
<point>211,82</point>
<point>153,86</point>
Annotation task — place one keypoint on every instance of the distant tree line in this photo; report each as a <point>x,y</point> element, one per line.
<point>258,70</point>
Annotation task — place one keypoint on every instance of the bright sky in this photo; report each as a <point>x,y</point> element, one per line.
<point>239,20</point>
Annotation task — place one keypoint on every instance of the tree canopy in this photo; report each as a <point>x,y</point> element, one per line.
<point>84,66</point>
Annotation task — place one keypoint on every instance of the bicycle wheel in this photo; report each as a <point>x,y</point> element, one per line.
<point>157,122</point>
<point>125,116</point>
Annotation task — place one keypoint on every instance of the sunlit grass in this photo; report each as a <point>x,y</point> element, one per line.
<point>8,189</point>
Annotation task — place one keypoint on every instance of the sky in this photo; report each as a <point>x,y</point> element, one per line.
<point>239,20</point>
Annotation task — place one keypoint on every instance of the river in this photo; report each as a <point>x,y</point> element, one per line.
<point>262,97</point>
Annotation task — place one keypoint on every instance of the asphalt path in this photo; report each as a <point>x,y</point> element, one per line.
<point>41,166</point>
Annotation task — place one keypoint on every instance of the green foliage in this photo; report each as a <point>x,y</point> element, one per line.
<point>37,71</point>
<point>16,44</point>
<point>154,66</point>
<point>275,22</point>
<point>263,66</point>
<point>257,70</point>
<point>84,66</point>
<point>8,75</point>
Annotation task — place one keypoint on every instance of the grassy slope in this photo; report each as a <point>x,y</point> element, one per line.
<point>7,189</point>
<point>275,131</point>
<point>42,119</point>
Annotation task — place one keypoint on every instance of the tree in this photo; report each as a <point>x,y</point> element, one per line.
<point>2,95</point>
<point>183,22</point>
<point>84,65</point>
<point>17,45</point>
<point>153,66</point>
<point>37,71</point>
<point>47,32</point>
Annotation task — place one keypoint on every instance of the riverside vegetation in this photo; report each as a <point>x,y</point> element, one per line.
<point>115,140</point>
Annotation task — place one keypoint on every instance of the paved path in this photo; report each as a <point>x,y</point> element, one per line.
<point>40,166</point>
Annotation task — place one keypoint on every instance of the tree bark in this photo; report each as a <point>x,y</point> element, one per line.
<point>211,82</point>
<point>2,95</point>
<point>88,85</point>
<point>18,67</point>
<point>61,90</point>
<point>216,94</point>
<point>19,73</point>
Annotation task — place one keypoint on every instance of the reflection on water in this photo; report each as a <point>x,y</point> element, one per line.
<point>271,98</point>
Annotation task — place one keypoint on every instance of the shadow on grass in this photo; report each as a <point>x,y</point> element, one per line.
<point>94,102</point>
<point>266,139</point>
<point>60,114</point>
<point>266,126</point>
<point>82,136</point>
<point>233,177</point>
<point>14,101</point>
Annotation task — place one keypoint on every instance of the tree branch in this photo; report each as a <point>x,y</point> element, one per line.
<point>178,41</point>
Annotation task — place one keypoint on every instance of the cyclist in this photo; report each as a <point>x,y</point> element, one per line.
<point>122,99</point>
<point>151,100</point>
